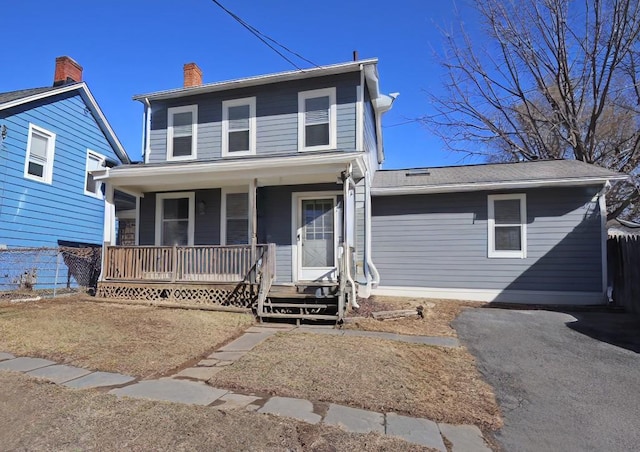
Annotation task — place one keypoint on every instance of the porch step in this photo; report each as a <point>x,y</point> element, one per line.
<point>297,305</point>
<point>299,316</point>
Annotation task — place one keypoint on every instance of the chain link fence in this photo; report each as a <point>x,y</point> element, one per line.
<point>32,272</point>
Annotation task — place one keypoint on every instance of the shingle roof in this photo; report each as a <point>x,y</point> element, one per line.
<point>20,94</point>
<point>540,171</point>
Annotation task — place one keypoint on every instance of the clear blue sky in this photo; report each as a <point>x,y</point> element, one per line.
<point>130,47</point>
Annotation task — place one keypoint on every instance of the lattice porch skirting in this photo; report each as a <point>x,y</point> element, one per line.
<point>240,295</point>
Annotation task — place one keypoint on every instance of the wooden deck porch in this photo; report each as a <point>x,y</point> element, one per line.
<point>224,277</point>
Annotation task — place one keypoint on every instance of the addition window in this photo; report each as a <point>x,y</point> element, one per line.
<point>38,163</point>
<point>239,127</point>
<point>507,222</point>
<point>175,219</point>
<point>317,120</point>
<point>182,133</point>
<point>95,161</point>
<point>235,218</point>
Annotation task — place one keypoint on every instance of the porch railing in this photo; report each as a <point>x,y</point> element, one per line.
<point>233,263</point>
<point>267,274</point>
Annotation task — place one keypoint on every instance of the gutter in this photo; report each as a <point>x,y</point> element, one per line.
<point>477,186</point>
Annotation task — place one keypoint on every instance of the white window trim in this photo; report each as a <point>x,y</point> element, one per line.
<point>193,109</point>
<point>304,95</point>
<point>223,212</point>
<point>47,177</point>
<point>160,214</point>
<point>103,160</point>
<point>492,252</point>
<point>251,101</point>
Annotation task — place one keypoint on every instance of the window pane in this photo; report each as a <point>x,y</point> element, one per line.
<point>508,238</point>
<point>35,169</point>
<point>507,211</point>
<point>317,110</point>
<point>238,205</point>
<point>239,141</point>
<point>91,184</point>
<point>176,209</point>
<point>237,231</point>
<point>38,147</point>
<point>182,124</point>
<point>239,117</point>
<point>175,233</point>
<point>181,146</point>
<point>317,135</point>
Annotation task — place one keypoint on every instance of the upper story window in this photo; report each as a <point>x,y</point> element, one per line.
<point>38,163</point>
<point>317,120</point>
<point>182,133</point>
<point>239,127</point>
<point>95,161</point>
<point>507,222</point>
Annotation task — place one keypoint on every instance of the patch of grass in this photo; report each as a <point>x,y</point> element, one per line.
<point>38,416</point>
<point>136,340</point>
<point>437,319</point>
<point>441,384</point>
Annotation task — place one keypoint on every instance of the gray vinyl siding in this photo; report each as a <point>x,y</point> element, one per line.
<point>276,122</point>
<point>207,224</point>
<point>370,137</point>
<point>440,241</point>
<point>275,222</point>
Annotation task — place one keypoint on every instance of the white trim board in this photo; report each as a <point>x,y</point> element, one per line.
<point>498,296</point>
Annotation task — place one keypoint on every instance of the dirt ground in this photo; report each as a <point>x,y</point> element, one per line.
<point>39,416</point>
<point>438,315</point>
<point>135,340</point>
<point>438,383</point>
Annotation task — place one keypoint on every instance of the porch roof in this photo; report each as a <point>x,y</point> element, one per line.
<point>317,167</point>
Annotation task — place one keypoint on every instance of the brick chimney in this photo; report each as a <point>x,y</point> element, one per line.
<point>67,71</point>
<point>192,75</point>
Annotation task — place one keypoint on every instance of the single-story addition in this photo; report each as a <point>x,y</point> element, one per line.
<point>519,232</point>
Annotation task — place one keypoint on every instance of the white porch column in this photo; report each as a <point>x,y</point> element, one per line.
<point>109,216</point>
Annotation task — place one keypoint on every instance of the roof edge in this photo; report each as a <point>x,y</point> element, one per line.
<point>484,186</point>
<point>257,80</point>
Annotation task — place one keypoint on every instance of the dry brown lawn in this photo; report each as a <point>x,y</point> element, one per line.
<point>38,416</point>
<point>136,340</point>
<point>437,383</point>
<point>437,319</point>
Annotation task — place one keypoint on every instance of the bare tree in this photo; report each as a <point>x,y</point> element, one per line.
<point>550,79</point>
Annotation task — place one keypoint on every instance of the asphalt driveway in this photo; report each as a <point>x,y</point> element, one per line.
<point>564,381</point>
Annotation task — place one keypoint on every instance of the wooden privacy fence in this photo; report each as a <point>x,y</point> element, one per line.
<point>624,271</point>
<point>233,263</point>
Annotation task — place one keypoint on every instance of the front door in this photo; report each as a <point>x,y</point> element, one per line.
<point>317,238</point>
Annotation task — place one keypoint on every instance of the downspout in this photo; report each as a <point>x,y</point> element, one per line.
<point>146,132</point>
<point>347,184</point>
<point>602,203</point>
<point>372,274</point>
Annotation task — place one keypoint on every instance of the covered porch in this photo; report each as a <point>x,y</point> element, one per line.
<point>242,235</point>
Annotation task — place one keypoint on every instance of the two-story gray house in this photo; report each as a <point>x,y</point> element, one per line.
<point>266,191</point>
<point>285,159</point>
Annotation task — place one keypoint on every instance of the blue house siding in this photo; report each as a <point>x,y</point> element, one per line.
<point>276,112</point>
<point>440,241</point>
<point>33,213</point>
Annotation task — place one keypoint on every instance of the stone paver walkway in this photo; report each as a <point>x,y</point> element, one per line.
<point>188,386</point>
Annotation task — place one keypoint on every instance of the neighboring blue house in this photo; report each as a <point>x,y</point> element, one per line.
<point>51,138</point>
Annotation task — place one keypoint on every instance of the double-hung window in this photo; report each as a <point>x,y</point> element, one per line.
<point>235,218</point>
<point>38,163</point>
<point>507,220</point>
<point>239,127</point>
<point>175,219</point>
<point>95,161</point>
<point>317,120</point>
<point>182,133</point>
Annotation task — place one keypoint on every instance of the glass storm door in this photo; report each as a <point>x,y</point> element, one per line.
<point>316,239</point>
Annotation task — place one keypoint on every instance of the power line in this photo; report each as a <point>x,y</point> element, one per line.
<point>262,37</point>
